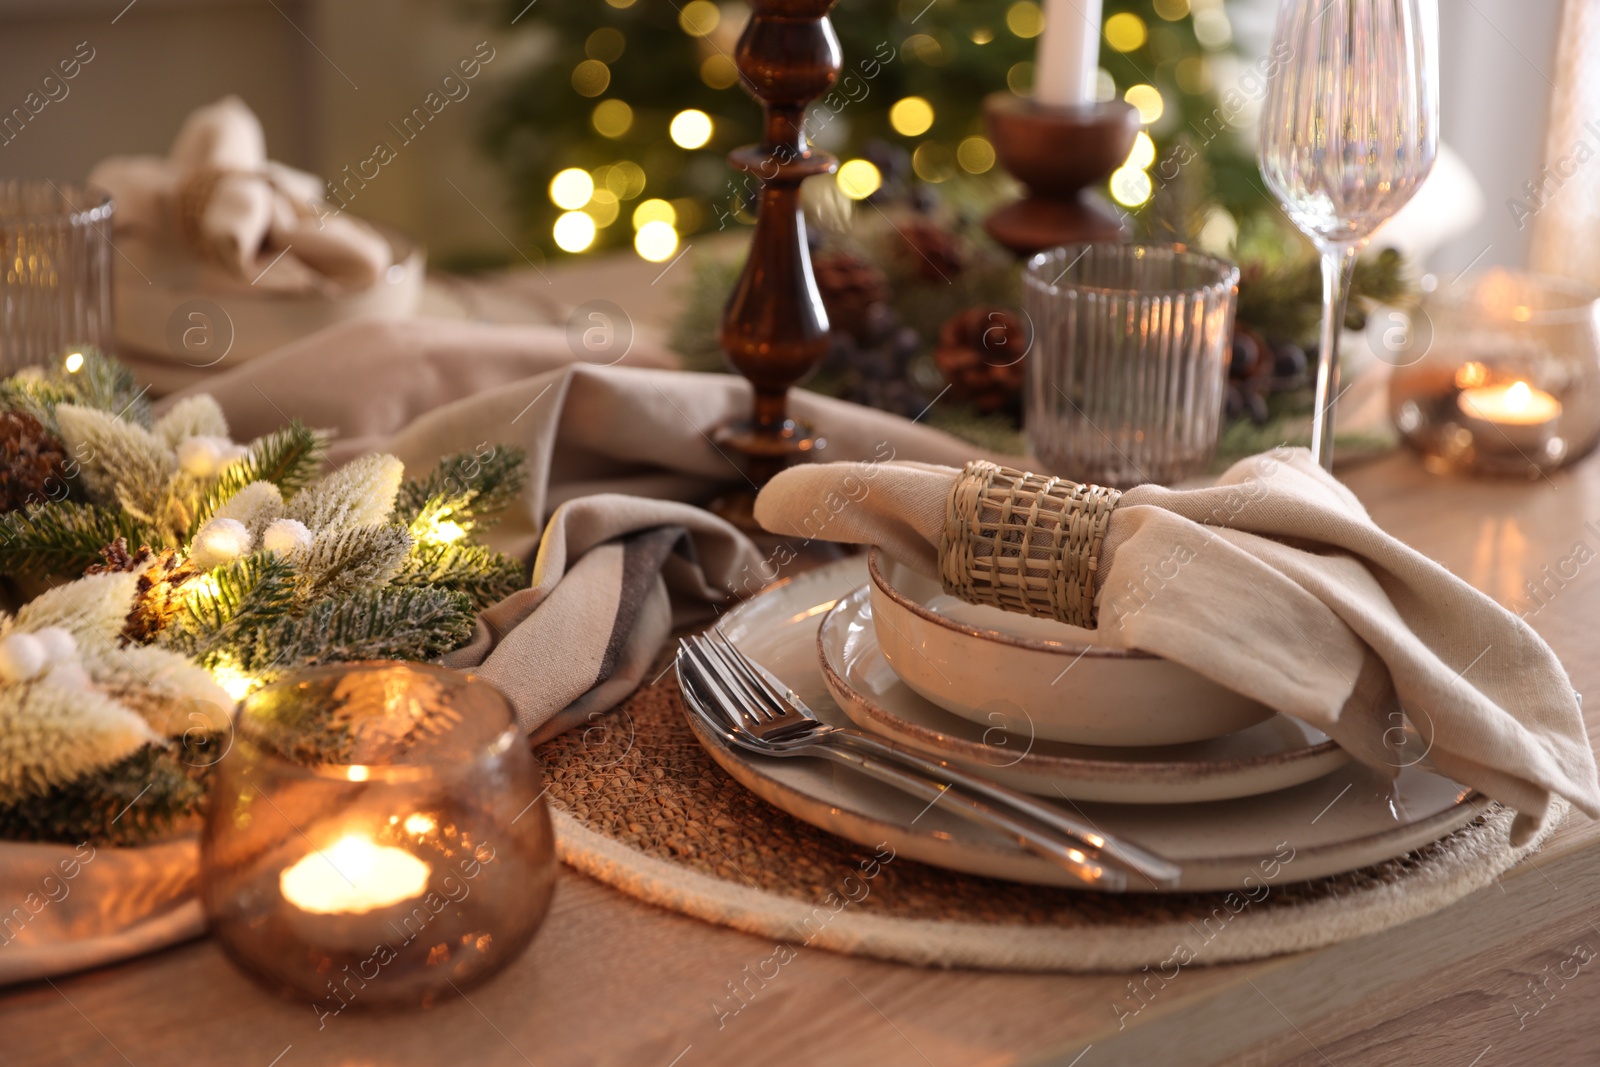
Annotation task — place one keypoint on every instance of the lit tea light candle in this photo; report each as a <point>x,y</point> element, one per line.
<point>353,877</point>
<point>1517,415</point>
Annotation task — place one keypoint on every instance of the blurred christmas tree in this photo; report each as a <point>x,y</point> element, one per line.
<point>617,133</point>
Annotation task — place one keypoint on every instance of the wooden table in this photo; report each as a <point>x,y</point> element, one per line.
<point>613,981</point>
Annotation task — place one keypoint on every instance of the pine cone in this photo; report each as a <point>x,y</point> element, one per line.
<point>157,599</point>
<point>855,293</point>
<point>32,462</point>
<point>931,251</point>
<point>980,354</point>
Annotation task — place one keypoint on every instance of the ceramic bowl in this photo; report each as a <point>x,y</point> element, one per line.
<point>978,662</point>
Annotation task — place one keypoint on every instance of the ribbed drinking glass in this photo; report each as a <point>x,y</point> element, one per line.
<point>1349,131</point>
<point>55,291</point>
<point>1129,360</point>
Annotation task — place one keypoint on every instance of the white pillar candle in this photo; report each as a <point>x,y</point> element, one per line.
<point>1069,53</point>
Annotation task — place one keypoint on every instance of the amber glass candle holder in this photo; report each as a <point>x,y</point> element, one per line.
<point>1498,373</point>
<point>376,837</point>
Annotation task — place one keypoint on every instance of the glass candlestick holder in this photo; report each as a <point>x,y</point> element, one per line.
<point>1499,373</point>
<point>376,837</point>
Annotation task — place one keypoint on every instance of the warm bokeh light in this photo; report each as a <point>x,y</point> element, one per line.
<point>1130,186</point>
<point>74,362</point>
<point>932,162</point>
<point>591,77</point>
<point>690,129</point>
<point>926,49</point>
<point>1019,79</point>
<point>1212,28</point>
<point>612,118</point>
<point>654,211</point>
<point>605,44</point>
<point>1126,32</point>
<point>1105,86</point>
<point>982,35</point>
<point>699,17</point>
<point>859,179</point>
<point>1471,375</point>
<point>656,241</point>
<point>624,177</point>
<point>975,154</point>
<point>1192,75</point>
<point>419,824</point>
<point>911,117</point>
<point>1025,19</point>
<point>571,189</point>
<point>1172,10</point>
<point>620,4</point>
<point>603,208</point>
<point>1143,152</point>
<point>574,232</point>
<point>719,72</point>
<point>1147,99</point>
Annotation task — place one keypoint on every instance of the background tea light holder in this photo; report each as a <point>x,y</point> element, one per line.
<point>1499,373</point>
<point>377,837</point>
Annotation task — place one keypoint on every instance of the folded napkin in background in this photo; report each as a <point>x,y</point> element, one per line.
<point>1277,584</point>
<point>240,214</point>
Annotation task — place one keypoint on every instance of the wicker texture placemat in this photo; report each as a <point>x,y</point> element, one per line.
<point>640,806</point>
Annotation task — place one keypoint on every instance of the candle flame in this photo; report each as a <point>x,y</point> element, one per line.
<point>1519,396</point>
<point>353,876</point>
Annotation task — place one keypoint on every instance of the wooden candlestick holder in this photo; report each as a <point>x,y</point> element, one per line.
<point>774,329</point>
<point>1058,153</point>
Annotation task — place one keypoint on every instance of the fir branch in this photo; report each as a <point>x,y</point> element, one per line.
<point>100,383</point>
<point>226,607</point>
<point>485,575</point>
<point>418,623</point>
<point>152,793</point>
<point>61,539</point>
<point>469,489</point>
<point>344,560</point>
<point>289,458</point>
<point>360,493</point>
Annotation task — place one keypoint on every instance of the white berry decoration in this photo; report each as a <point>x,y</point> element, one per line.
<point>219,541</point>
<point>59,645</point>
<point>22,656</point>
<point>204,456</point>
<point>286,537</point>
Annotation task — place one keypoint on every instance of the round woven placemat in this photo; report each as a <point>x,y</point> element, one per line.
<point>640,806</point>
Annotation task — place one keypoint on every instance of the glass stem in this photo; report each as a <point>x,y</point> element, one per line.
<point>1338,264</point>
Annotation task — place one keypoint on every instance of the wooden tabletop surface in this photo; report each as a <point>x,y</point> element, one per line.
<point>1510,975</point>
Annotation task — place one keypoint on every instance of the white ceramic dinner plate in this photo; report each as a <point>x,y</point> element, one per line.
<point>1272,755</point>
<point>1347,819</point>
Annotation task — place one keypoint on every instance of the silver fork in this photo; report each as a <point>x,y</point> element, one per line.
<point>762,714</point>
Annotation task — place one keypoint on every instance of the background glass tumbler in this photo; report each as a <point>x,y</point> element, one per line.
<point>55,291</point>
<point>376,836</point>
<point>1129,361</point>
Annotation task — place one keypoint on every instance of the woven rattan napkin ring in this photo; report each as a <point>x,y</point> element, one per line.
<point>1025,542</point>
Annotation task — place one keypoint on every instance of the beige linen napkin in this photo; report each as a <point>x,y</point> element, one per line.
<point>259,225</point>
<point>618,557</point>
<point>1277,584</point>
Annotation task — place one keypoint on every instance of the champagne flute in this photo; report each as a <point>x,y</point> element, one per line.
<point>1349,130</point>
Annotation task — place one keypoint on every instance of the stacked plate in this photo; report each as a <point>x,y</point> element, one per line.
<point>1141,747</point>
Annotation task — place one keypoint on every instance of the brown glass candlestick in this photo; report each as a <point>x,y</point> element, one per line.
<point>774,330</point>
<point>1058,153</point>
